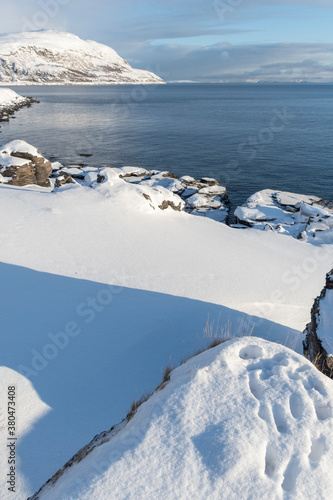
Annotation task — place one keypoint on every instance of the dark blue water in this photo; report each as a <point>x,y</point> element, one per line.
<point>248,137</point>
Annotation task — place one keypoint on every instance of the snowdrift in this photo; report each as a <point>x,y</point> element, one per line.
<point>248,419</point>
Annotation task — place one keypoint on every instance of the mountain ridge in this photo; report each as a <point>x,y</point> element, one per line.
<point>54,57</point>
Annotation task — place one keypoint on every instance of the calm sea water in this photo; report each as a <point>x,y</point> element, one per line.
<point>247,137</point>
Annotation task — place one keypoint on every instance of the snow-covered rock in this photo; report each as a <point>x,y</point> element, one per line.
<point>308,218</point>
<point>161,189</point>
<point>248,419</point>
<point>109,183</point>
<point>318,344</point>
<point>53,57</point>
<point>22,165</point>
<point>10,98</point>
<point>10,102</point>
<point>204,197</point>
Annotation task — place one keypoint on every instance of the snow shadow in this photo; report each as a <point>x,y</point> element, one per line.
<point>90,349</point>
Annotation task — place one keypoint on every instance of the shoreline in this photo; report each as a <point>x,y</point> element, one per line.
<point>7,111</point>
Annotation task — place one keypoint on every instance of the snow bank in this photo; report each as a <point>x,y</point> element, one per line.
<point>9,98</point>
<point>248,419</point>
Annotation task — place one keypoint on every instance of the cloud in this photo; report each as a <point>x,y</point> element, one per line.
<point>224,62</point>
<point>146,33</point>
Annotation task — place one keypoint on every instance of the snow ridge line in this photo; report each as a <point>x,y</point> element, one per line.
<point>102,438</point>
<point>98,440</point>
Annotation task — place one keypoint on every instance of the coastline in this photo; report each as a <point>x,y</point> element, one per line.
<point>8,110</point>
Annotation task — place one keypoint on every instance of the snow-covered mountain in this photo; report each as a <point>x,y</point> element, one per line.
<point>53,57</point>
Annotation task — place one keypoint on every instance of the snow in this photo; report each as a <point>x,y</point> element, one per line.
<point>100,290</point>
<point>248,419</point>
<point>54,57</point>
<point>9,98</point>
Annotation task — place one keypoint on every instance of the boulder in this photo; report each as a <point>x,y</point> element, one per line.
<point>22,165</point>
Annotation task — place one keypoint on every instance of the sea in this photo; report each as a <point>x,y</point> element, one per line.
<point>248,137</point>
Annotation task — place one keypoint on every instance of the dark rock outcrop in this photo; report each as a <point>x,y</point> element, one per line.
<point>312,345</point>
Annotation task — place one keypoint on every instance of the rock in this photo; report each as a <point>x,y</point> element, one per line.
<point>209,181</point>
<point>203,198</point>
<point>318,343</point>
<point>18,102</point>
<point>214,190</point>
<point>132,172</point>
<point>187,179</point>
<point>167,203</point>
<point>63,178</point>
<point>22,165</point>
<point>201,201</point>
<point>162,190</point>
<point>304,217</point>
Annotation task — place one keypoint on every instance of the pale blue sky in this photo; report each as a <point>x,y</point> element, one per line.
<point>201,40</point>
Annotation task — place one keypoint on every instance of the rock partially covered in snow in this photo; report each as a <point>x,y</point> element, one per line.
<point>204,197</point>
<point>22,165</point>
<point>318,344</point>
<point>248,419</point>
<point>160,189</point>
<point>304,217</point>
<point>109,182</point>
<point>10,102</point>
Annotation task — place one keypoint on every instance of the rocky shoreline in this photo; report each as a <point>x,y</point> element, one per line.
<point>306,218</point>
<point>7,112</point>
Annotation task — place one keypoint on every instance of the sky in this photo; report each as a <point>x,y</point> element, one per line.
<point>196,40</point>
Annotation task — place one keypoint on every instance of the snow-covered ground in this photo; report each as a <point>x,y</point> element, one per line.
<point>9,98</point>
<point>53,57</point>
<point>99,292</point>
<point>246,420</point>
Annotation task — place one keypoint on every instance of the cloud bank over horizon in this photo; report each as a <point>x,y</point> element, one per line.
<point>196,40</point>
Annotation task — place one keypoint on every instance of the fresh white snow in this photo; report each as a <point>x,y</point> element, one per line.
<point>246,420</point>
<point>100,290</point>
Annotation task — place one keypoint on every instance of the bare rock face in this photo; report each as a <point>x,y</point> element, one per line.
<point>22,165</point>
<point>315,332</point>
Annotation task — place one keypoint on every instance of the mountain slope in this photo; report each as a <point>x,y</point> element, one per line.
<point>248,419</point>
<point>63,58</point>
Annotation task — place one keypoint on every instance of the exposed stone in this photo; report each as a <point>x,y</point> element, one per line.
<point>36,171</point>
<point>167,203</point>
<point>209,181</point>
<point>313,345</point>
<point>63,178</point>
<point>5,111</point>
